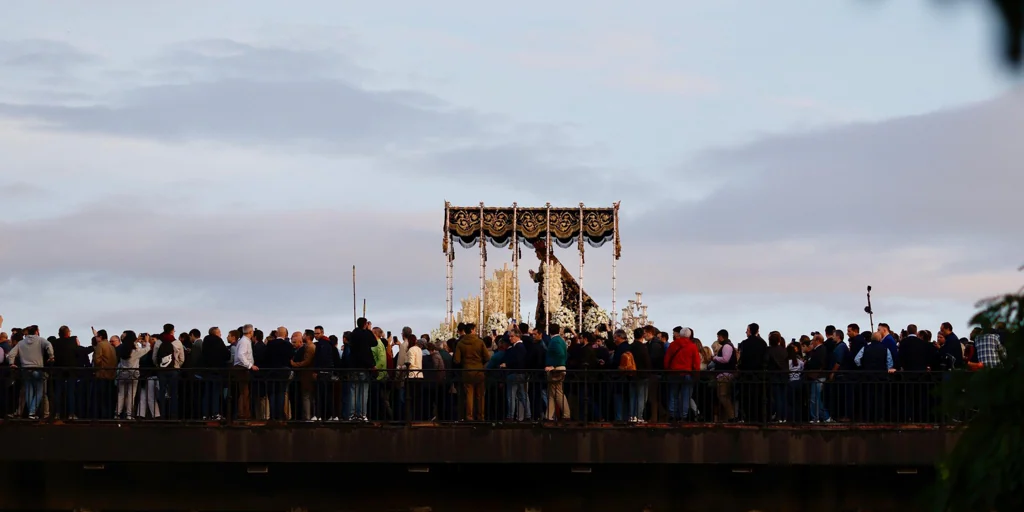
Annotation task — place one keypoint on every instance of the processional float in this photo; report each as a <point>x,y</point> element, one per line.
<point>536,228</point>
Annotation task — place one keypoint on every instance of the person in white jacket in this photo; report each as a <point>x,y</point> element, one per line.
<point>129,354</point>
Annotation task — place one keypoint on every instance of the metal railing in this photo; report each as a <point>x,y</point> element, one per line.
<point>579,397</point>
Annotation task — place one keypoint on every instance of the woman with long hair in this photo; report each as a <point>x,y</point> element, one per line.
<point>794,400</point>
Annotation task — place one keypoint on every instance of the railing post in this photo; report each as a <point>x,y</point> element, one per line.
<point>585,413</point>
<point>765,406</point>
<point>230,417</point>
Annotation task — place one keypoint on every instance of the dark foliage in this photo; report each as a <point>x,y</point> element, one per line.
<point>985,470</point>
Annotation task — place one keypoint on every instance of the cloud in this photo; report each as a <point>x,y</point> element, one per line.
<point>227,59</point>
<point>289,99</point>
<point>946,178</point>
<point>921,207</point>
<point>43,55</point>
<point>119,238</point>
<point>331,115</point>
<point>20,190</point>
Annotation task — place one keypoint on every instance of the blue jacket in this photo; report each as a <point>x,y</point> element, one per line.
<point>890,343</point>
<point>496,359</point>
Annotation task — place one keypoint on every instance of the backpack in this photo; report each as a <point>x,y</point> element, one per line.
<point>165,355</point>
<point>627,364</point>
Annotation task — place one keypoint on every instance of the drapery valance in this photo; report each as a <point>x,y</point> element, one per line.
<point>598,226</point>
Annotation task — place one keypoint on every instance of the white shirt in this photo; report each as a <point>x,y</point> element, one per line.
<point>415,359</point>
<point>243,353</point>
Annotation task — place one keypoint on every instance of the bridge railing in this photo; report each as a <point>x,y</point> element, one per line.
<point>574,397</point>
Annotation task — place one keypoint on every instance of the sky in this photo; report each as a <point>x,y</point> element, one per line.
<point>222,163</point>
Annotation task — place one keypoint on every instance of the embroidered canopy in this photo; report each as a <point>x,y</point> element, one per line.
<point>596,226</point>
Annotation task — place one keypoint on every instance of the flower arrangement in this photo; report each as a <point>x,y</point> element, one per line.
<point>593,318</point>
<point>443,333</point>
<point>497,321</point>
<point>553,282</point>
<point>564,318</point>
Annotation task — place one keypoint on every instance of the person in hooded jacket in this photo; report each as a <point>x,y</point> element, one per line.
<point>215,361</point>
<point>31,354</point>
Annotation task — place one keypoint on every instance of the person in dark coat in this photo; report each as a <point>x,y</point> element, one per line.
<point>915,359</point>
<point>278,360</point>
<point>515,363</point>
<point>328,362</point>
<point>214,360</point>
<point>750,381</point>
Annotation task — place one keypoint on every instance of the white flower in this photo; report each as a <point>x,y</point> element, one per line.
<point>564,318</point>
<point>593,318</point>
<point>497,322</point>
<point>443,333</point>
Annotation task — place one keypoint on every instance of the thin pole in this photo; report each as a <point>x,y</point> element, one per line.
<point>515,261</point>
<point>364,308</point>
<point>483,268</point>
<point>547,272</point>
<point>447,264</point>
<point>615,259</point>
<point>353,296</point>
<point>871,312</point>
<point>451,284</point>
<point>580,323</point>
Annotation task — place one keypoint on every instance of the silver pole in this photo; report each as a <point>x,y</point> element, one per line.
<point>483,268</point>
<point>615,259</point>
<point>515,261</point>
<point>580,323</point>
<point>547,271</point>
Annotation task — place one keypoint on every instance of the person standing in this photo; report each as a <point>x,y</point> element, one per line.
<point>31,354</point>
<point>301,362</point>
<point>751,366</point>
<point>244,366</point>
<point>363,364</point>
<point>724,362</point>
<point>554,365</point>
<point>104,361</point>
<point>682,362</point>
<point>472,356</point>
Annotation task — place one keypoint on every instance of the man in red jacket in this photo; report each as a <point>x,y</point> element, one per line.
<point>682,363</point>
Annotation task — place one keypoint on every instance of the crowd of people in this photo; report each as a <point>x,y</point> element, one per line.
<point>522,375</point>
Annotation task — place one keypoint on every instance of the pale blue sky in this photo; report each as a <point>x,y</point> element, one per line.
<point>213,162</point>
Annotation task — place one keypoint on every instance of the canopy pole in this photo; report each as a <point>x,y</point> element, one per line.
<point>481,321</point>
<point>515,262</point>
<point>579,329</point>
<point>547,272</point>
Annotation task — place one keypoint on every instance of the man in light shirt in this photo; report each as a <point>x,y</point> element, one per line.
<point>244,364</point>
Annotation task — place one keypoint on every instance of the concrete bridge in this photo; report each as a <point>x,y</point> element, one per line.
<point>174,466</point>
